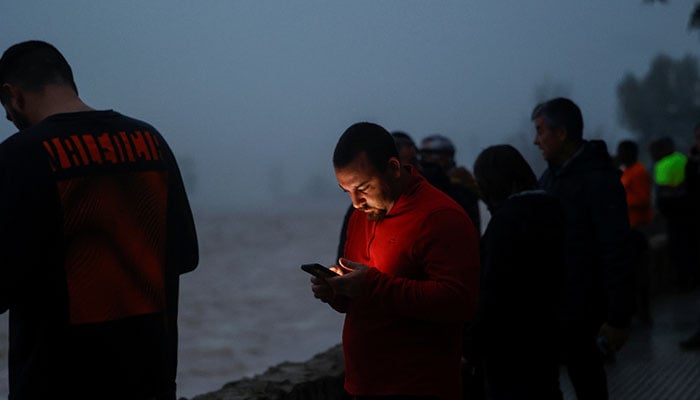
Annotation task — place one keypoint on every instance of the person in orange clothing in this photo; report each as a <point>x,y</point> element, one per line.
<point>637,183</point>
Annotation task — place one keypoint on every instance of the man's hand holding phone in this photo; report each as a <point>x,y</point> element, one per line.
<point>348,282</point>
<point>319,286</point>
<point>352,284</point>
<point>320,271</point>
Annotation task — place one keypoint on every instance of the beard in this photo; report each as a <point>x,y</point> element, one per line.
<point>376,215</point>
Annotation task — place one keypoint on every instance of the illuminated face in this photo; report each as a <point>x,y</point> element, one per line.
<point>369,189</point>
<point>549,140</point>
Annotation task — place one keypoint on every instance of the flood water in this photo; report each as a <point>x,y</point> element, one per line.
<point>248,305</point>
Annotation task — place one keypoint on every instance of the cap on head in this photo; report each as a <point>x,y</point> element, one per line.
<point>437,144</point>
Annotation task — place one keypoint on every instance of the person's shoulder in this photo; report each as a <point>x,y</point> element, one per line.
<point>594,163</point>
<point>446,210</point>
<point>11,140</point>
<point>18,140</point>
<point>126,119</point>
<point>638,167</point>
<point>593,155</point>
<point>428,199</point>
<point>461,176</point>
<point>532,200</point>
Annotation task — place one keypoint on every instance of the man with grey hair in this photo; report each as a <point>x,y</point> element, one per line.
<point>598,298</point>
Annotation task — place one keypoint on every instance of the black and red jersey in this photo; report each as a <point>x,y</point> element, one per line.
<point>95,229</point>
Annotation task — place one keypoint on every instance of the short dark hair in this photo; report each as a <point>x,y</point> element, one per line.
<point>366,137</point>
<point>627,152</point>
<point>661,147</point>
<point>562,113</point>
<point>34,64</point>
<point>501,171</point>
<point>403,139</point>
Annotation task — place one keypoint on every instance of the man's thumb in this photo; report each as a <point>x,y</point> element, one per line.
<point>347,264</point>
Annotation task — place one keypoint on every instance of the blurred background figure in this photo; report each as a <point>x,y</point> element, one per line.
<point>599,299</point>
<point>673,204</point>
<point>526,229</point>
<point>439,168</point>
<point>637,184</point>
<point>692,182</point>
<point>408,151</point>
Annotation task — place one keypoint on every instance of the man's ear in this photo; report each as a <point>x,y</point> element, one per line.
<point>561,133</point>
<point>394,167</point>
<point>11,94</point>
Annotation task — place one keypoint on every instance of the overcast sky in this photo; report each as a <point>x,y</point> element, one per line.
<point>252,95</point>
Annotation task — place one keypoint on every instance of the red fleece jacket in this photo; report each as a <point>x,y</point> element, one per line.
<point>404,336</point>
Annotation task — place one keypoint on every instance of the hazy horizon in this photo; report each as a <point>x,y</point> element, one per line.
<point>252,95</point>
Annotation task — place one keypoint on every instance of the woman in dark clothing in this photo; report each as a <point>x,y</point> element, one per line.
<point>522,261</point>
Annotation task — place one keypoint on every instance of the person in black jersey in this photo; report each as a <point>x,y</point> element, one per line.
<point>96,229</point>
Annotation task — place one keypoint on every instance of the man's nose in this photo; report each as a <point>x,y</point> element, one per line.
<point>357,199</point>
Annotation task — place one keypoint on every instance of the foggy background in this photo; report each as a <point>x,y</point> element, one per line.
<point>252,95</point>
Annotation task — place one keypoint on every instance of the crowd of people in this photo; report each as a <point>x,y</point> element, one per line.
<point>566,254</point>
<point>97,229</point>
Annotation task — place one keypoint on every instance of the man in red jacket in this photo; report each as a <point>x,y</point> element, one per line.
<point>409,276</point>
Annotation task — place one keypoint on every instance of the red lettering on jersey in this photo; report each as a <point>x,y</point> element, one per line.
<point>127,146</point>
<point>79,146</point>
<point>83,150</point>
<point>142,150</point>
<point>53,158</point>
<point>64,162</point>
<point>104,144</point>
<point>93,149</point>
<point>154,146</point>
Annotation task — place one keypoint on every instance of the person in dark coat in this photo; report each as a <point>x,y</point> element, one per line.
<point>692,182</point>
<point>599,291</point>
<point>522,272</point>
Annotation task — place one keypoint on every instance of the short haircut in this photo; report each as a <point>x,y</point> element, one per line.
<point>501,171</point>
<point>661,147</point>
<point>33,65</point>
<point>402,139</point>
<point>627,152</point>
<point>562,113</point>
<point>365,137</point>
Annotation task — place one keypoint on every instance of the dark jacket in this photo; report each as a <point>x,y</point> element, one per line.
<point>599,272</point>
<point>692,182</point>
<point>522,274</point>
<point>96,230</point>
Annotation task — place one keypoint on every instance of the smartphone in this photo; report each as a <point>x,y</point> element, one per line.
<point>319,271</point>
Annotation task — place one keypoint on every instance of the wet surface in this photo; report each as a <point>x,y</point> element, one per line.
<point>652,365</point>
